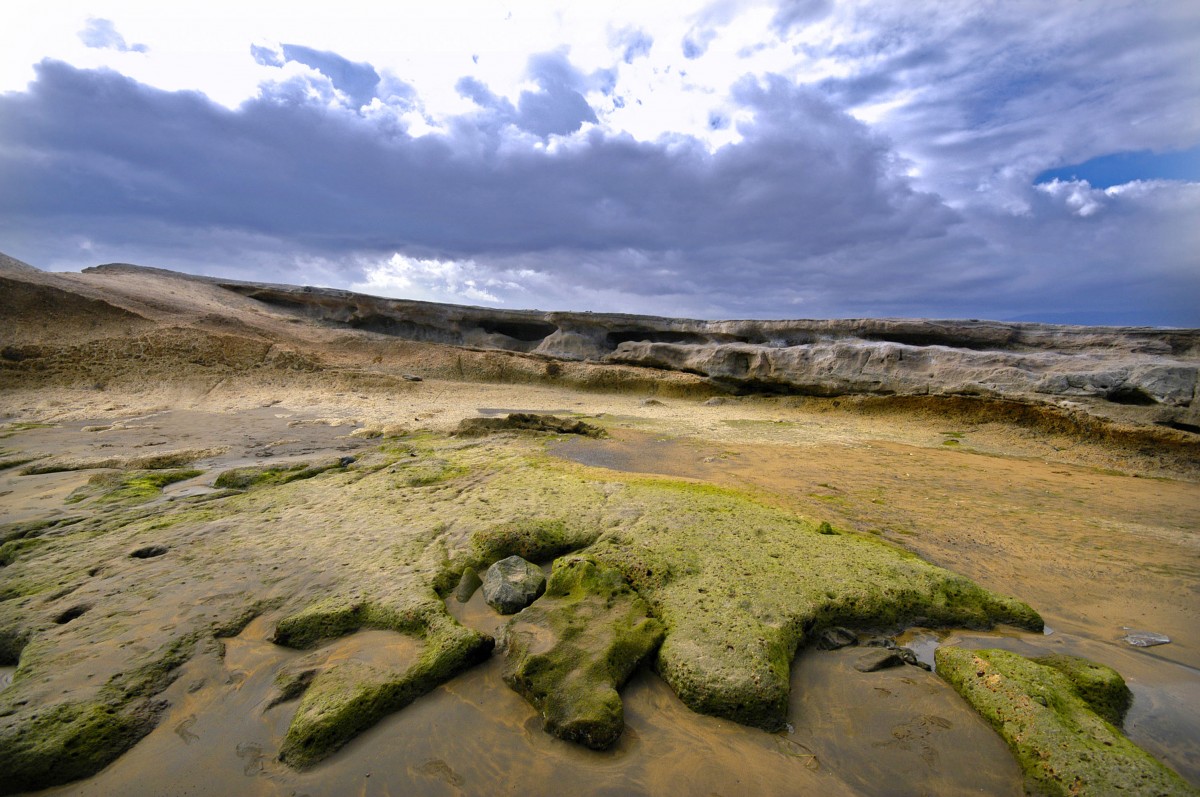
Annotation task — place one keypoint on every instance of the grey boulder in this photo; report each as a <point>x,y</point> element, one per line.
<point>512,584</point>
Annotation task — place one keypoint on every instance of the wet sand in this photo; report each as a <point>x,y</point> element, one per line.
<point>1091,550</point>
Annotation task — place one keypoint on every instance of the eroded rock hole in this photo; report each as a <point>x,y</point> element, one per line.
<point>1130,395</point>
<point>73,613</point>
<point>527,331</point>
<point>149,551</point>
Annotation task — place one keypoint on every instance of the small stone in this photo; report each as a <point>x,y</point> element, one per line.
<point>881,659</point>
<point>512,584</point>
<point>411,378</point>
<point>649,402</point>
<point>909,656</point>
<point>345,461</point>
<point>836,638</point>
<point>880,642</point>
<point>467,584</point>
<point>1145,639</point>
<point>715,401</point>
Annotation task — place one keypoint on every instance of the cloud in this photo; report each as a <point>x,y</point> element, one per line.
<point>358,81</point>
<point>822,205</point>
<point>101,34</point>
<point>633,43</point>
<point>434,280</point>
<point>983,100</point>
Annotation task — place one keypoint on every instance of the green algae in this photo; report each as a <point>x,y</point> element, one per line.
<point>252,477</point>
<point>736,585</point>
<point>528,422</point>
<point>351,696</point>
<point>75,739</point>
<point>65,743</point>
<point>532,539</point>
<point>740,586</point>
<point>1100,686</point>
<point>1052,716</point>
<point>130,488</point>
<point>570,652</point>
<point>12,549</point>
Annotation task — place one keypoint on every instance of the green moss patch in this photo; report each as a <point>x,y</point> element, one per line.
<point>1100,686</point>
<point>533,539</point>
<point>1046,712</point>
<point>130,488</point>
<point>570,652</point>
<point>251,477</point>
<point>740,586</point>
<point>351,696</point>
<point>72,740</point>
<point>65,743</point>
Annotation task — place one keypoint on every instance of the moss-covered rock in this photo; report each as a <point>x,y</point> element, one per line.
<point>134,487</point>
<point>533,539</point>
<point>1046,715</point>
<point>570,652</point>
<point>1100,686</point>
<point>528,422</point>
<point>251,477</point>
<point>351,696</point>
<point>740,585</point>
<point>67,742</point>
<point>46,745</point>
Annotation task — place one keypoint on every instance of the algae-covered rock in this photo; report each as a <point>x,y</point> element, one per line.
<point>512,584</point>
<point>467,584</point>
<point>570,652</point>
<point>67,742</point>
<point>48,744</point>
<point>1051,724</point>
<point>350,696</point>
<point>1100,686</point>
<point>740,585</point>
<point>528,422</point>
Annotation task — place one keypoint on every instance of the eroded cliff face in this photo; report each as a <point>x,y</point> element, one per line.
<point>1140,375</point>
<point>1130,366</point>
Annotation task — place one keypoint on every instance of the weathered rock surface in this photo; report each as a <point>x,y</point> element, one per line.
<point>569,653</point>
<point>1053,714</point>
<point>1125,365</point>
<point>1148,374</point>
<point>512,584</point>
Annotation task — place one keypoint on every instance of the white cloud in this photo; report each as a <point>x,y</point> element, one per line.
<point>1077,195</point>
<point>431,279</point>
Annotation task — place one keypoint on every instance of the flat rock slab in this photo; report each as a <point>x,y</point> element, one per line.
<point>878,659</point>
<point>512,584</point>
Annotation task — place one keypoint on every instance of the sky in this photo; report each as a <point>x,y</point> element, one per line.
<point>1009,160</point>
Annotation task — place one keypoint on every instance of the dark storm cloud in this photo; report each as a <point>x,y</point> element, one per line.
<point>809,214</point>
<point>97,145</point>
<point>102,34</point>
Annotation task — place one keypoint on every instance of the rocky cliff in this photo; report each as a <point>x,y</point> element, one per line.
<point>1123,365</point>
<point>1141,374</point>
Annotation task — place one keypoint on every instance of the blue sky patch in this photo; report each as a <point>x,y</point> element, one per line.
<point>1125,167</point>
